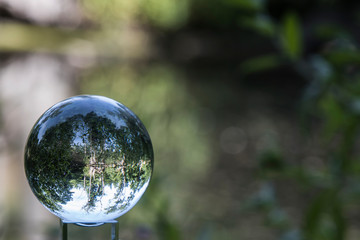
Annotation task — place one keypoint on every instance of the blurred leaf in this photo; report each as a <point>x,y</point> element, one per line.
<point>166,13</point>
<point>334,115</point>
<point>324,219</point>
<point>321,69</point>
<point>321,74</point>
<point>344,58</point>
<point>292,36</point>
<point>261,63</point>
<point>329,31</point>
<point>339,220</point>
<point>342,53</point>
<point>252,5</point>
<point>261,23</point>
<point>313,216</point>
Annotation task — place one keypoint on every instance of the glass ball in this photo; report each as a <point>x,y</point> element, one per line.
<point>88,159</point>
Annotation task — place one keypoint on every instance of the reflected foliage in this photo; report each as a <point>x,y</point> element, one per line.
<point>88,159</point>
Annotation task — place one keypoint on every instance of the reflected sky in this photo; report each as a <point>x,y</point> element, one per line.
<point>88,159</point>
<point>72,210</point>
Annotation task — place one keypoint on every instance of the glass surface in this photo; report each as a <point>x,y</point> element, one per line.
<point>88,159</point>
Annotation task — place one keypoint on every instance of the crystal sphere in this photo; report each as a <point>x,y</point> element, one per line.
<point>88,159</point>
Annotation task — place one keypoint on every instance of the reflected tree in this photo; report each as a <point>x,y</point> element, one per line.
<point>76,148</point>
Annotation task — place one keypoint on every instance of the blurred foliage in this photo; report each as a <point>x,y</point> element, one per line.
<point>302,37</point>
<point>329,100</point>
<point>175,131</point>
<point>292,38</point>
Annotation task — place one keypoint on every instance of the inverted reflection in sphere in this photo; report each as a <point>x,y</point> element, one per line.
<point>88,159</point>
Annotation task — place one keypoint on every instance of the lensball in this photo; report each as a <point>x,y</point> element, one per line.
<point>88,159</point>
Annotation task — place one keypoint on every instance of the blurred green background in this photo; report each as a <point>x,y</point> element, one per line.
<point>253,107</point>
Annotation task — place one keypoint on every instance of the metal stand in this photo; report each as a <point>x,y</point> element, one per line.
<point>64,228</point>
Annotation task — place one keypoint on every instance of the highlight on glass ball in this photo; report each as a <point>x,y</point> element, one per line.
<point>88,159</point>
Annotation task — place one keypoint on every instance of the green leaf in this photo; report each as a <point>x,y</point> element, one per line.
<point>260,23</point>
<point>262,63</point>
<point>292,36</point>
<point>313,216</point>
<point>334,115</point>
<point>251,5</point>
<point>324,219</point>
<point>166,14</point>
<point>340,223</point>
